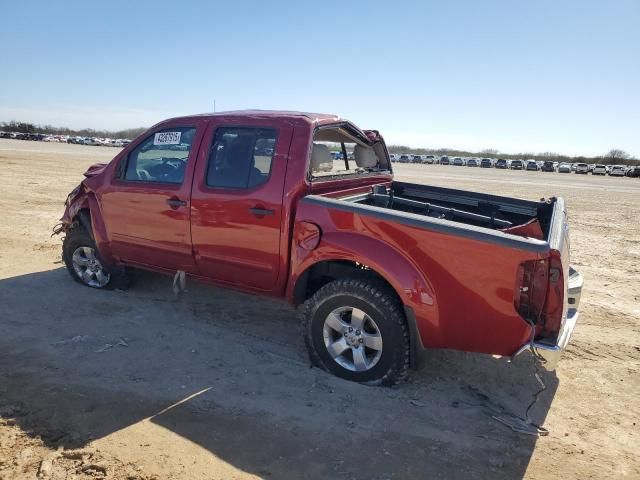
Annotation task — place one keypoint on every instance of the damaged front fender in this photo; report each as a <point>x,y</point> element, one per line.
<point>81,207</point>
<point>78,199</point>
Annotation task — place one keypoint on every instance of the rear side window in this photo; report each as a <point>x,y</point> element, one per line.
<point>162,157</point>
<point>241,157</point>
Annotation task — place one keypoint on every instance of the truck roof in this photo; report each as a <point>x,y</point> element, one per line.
<point>313,119</point>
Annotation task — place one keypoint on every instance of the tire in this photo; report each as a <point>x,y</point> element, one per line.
<point>376,319</point>
<point>83,263</point>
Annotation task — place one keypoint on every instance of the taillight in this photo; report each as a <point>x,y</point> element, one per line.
<point>554,307</point>
<point>531,289</point>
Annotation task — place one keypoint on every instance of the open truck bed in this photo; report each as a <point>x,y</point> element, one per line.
<point>469,213</point>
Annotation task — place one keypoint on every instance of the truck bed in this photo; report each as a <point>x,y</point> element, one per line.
<point>512,216</point>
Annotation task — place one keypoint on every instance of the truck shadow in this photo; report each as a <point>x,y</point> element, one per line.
<point>228,374</point>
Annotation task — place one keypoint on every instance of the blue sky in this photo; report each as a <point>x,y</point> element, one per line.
<point>542,75</point>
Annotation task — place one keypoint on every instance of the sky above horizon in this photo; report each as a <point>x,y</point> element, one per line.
<point>517,76</point>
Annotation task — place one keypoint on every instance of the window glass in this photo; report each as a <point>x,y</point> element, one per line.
<point>162,157</point>
<point>241,157</point>
<point>327,159</point>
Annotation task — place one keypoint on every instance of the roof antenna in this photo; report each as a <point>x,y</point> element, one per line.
<point>214,105</point>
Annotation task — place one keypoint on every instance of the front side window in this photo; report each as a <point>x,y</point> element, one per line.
<point>241,157</point>
<point>162,157</point>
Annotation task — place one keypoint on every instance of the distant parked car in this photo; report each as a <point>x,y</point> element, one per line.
<point>472,162</point>
<point>416,159</point>
<point>599,170</point>
<point>444,160</point>
<point>486,163</point>
<point>582,168</point>
<point>404,158</point>
<point>548,166</point>
<point>430,159</point>
<point>617,171</point>
<point>532,165</point>
<point>517,165</point>
<point>502,163</point>
<point>633,171</point>
<point>393,157</point>
<point>564,168</point>
<point>458,162</point>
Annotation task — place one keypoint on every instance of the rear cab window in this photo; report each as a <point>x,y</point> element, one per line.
<point>363,158</point>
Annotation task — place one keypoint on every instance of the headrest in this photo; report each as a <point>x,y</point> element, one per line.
<point>321,160</point>
<point>365,157</point>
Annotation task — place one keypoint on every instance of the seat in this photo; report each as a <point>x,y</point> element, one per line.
<point>365,157</point>
<point>256,177</point>
<point>235,169</point>
<point>321,160</point>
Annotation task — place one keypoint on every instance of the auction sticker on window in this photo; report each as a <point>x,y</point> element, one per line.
<point>167,138</point>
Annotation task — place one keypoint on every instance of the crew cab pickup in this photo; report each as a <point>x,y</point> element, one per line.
<point>380,269</point>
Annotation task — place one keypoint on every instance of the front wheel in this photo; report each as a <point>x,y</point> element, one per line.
<point>82,260</point>
<point>356,329</point>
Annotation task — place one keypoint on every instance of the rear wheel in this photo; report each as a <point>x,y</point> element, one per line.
<point>356,330</point>
<point>82,260</point>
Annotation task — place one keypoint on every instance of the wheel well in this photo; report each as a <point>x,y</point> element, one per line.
<point>83,217</point>
<point>321,273</point>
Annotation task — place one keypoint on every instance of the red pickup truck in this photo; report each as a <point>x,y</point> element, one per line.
<point>304,206</point>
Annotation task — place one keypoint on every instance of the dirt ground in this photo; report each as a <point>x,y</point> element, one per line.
<point>141,385</point>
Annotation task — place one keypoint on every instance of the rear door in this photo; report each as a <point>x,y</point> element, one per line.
<point>236,202</point>
<point>146,207</point>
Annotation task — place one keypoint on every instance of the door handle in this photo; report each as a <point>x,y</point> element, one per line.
<point>176,202</point>
<point>259,211</point>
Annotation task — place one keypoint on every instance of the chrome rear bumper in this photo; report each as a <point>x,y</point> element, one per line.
<point>548,354</point>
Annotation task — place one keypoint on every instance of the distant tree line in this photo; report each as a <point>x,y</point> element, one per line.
<point>612,157</point>
<point>22,127</point>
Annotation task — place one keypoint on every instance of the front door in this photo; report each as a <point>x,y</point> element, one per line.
<point>147,206</point>
<point>236,206</point>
